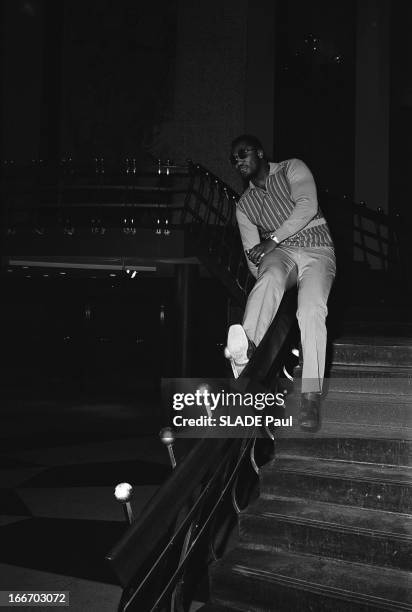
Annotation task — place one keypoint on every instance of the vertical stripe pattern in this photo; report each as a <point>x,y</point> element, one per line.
<point>269,209</point>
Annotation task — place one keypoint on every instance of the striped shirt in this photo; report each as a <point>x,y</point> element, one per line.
<point>288,206</point>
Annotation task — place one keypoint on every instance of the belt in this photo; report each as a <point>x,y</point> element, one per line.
<point>314,223</point>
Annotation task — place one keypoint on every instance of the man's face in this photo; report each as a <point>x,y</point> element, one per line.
<point>246,159</point>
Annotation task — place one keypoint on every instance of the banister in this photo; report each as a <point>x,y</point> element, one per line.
<point>145,534</point>
<point>209,456</point>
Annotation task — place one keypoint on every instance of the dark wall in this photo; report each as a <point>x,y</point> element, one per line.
<point>117,75</point>
<point>209,97</point>
<point>22,30</point>
<point>401,110</point>
<point>173,79</point>
<point>181,79</point>
<point>72,332</point>
<point>85,78</point>
<point>315,88</point>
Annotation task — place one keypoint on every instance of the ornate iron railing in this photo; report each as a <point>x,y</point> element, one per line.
<point>39,198</point>
<point>209,212</point>
<point>376,238</point>
<point>362,235</point>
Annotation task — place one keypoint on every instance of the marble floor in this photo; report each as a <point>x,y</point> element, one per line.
<point>60,459</point>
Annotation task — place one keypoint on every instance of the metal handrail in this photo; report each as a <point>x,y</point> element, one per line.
<point>203,466</point>
<point>377,236</point>
<point>209,215</point>
<point>154,539</point>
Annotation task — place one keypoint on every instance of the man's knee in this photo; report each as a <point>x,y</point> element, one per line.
<point>316,311</point>
<point>273,276</point>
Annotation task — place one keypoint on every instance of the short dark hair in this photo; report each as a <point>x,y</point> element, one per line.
<point>248,139</point>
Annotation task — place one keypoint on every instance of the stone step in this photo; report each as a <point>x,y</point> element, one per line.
<point>384,487</point>
<point>250,578</point>
<point>363,378</point>
<point>372,351</point>
<point>354,534</point>
<point>366,379</point>
<point>211,607</point>
<point>354,414</point>
<point>387,451</point>
<point>336,429</point>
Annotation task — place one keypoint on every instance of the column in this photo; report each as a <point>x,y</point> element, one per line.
<point>372,104</point>
<point>185,288</point>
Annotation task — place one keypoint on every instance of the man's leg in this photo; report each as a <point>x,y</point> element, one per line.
<point>277,272</point>
<point>316,272</point>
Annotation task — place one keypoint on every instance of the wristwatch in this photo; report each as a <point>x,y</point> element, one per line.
<point>273,237</point>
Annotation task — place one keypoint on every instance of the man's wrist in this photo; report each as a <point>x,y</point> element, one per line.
<point>274,238</point>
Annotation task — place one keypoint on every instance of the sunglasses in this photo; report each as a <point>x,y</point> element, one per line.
<point>241,154</point>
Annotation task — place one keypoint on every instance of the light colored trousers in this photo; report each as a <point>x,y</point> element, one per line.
<point>313,270</point>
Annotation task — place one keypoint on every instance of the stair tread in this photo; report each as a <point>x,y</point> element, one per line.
<point>369,350</point>
<point>342,469</point>
<point>372,397</point>
<point>355,581</point>
<point>354,413</point>
<point>213,607</point>
<point>379,409</point>
<point>389,381</point>
<point>335,516</point>
<point>381,450</point>
<point>362,398</point>
<point>339,429</point>
<point>338,399</point>
<point>373,370</point>
<point>386,341</point>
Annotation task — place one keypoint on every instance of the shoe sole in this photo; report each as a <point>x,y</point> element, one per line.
<point>236,349</point>
<point>237,344</point>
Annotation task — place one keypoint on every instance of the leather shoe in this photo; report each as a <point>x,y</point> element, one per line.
<point>239,349</point>
<point>310,411</point>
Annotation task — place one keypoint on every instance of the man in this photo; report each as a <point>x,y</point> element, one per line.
<point>287,241</point>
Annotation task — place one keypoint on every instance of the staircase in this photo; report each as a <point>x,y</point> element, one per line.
<point>332,528</point>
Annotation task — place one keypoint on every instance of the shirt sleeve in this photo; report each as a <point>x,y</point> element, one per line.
<point>303,193</point>
<point>250,237</point>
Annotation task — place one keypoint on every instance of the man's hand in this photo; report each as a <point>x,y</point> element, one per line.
<point>256,253</point>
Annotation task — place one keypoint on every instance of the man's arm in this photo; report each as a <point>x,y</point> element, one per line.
<point>249,235</point>
<point>303,193</point>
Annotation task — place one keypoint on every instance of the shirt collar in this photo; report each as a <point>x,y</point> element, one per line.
<point>273,166</point>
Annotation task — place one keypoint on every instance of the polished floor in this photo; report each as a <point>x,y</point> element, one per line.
<point>60,460</point>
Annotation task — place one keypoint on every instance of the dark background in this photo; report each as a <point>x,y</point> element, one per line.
<point>119,79</point>
<point>83,352</point>
<point>105,78</point>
